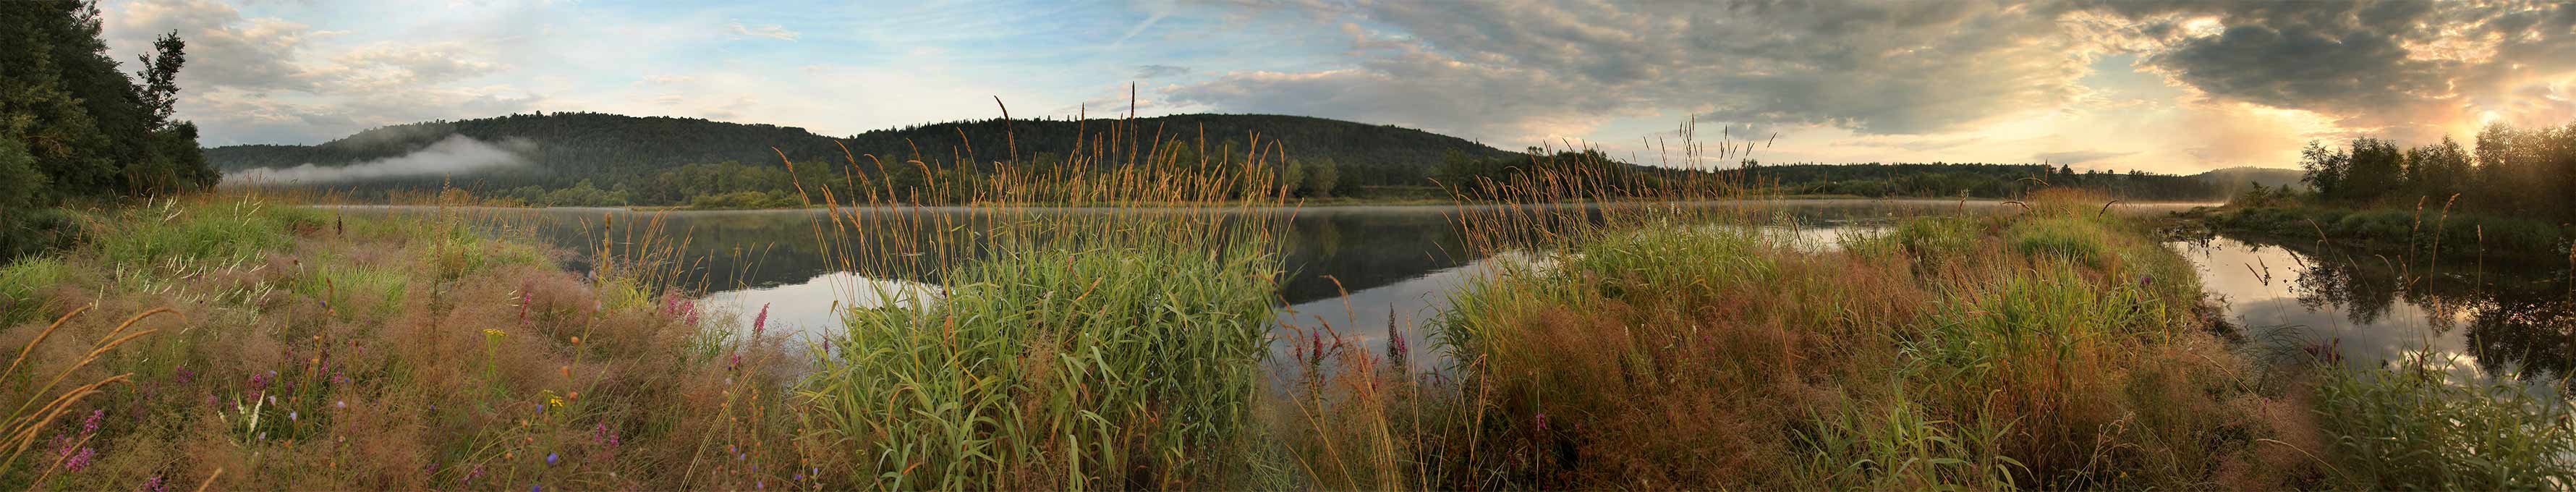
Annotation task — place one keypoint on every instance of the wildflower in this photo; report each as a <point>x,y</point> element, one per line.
<point>2145,281</point>
<point>494,333</point>
<point>81,461</point>
<point>1396,349</point>
<point>342,404</point>
<point>760,322</point>
<point>1541,419</point>
<point>557,402</point>
<point>155,484</point>
<point>291,416</point>
<point>525,298</point>
<point>90,425</point>
<point>550,459</point>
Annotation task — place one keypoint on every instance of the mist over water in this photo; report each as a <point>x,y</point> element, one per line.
<point>457,155</point>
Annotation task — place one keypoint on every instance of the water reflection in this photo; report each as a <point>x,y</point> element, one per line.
<point>2481,317</point>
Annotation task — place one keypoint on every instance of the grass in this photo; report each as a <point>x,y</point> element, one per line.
<point>2414,427</point>
<point>1638,344</point>
<point>2056,347</point>
<point>2423,232</point>
<point>318,353</point>
<point>1114,367</point>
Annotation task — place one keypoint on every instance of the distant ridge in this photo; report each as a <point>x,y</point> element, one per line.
<point>562,148</point>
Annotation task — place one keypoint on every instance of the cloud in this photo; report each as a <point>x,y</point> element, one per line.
<point>273,80</point>
<point>2078,156</point>
<point>1517,68</point>
<point>224,49</point>
<point>1159,71</point>
<point>457,155</point>
<point>771,31</point>
<point>1527,66</point>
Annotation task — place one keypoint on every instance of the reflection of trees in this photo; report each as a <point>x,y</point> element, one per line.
<point>2519,315</point>
<point>1365,250</point>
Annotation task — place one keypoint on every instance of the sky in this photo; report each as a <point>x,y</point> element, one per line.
<point>2173,86</point>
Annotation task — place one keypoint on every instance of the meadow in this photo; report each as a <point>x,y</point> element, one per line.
<point>244,342</point>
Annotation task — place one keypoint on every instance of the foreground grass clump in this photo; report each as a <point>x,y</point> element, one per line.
<point>2415,427</point>
<point>1107,367</point>
<point>2048,347</point>
<point>310,351</point>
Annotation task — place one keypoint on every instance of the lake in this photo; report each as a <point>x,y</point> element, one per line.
<point>1361,270</point>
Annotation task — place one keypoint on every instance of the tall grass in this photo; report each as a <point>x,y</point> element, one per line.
<point>2413,427</point>
<point>1112,348</point>
<point>1663,345</point>
<point>331,352</point>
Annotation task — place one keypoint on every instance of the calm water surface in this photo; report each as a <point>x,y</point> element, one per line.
<point>1361,270</point>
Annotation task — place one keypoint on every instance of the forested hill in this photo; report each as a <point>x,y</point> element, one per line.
<point>570,144</point>
<point>606,159</point>
<point>563,148</point>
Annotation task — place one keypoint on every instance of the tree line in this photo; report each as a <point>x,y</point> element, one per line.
<point>2507,171</point>
<point>74,127</point>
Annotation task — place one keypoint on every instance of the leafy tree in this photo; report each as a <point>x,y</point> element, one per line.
<point>75,127</point>
<point>1326,176</point>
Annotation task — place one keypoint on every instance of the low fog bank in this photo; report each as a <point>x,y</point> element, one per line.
<point>457,155</point>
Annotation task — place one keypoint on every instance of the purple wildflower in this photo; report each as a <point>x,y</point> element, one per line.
<point>155,484</point>
<point>90,425</point>
<point>550,459</point>
<point>1541,419</point>
<point>526,297</point>
<point>1396,349</point>
<point>602,435</point>
<point>80,461</point>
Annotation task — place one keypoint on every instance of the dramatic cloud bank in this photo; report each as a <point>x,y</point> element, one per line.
<point>2166,85</point>
<point>457,155</point>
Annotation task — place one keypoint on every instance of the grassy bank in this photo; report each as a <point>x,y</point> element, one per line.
<point>2052,348</point>
<point>2426,232</point>
<point>299,350</point>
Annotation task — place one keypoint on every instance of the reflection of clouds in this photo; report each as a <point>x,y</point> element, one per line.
<point>813,308</point>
